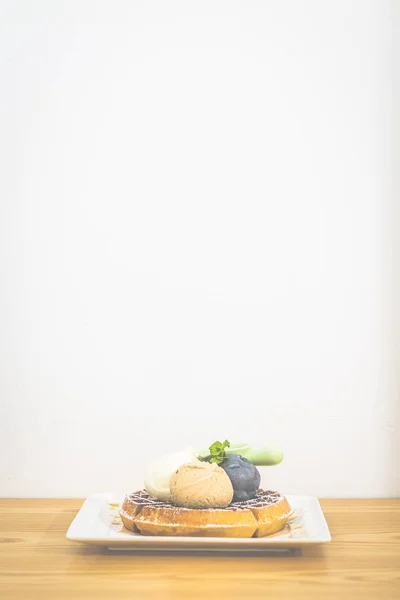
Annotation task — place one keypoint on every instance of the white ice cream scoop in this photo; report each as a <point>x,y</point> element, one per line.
<point>159,472</point>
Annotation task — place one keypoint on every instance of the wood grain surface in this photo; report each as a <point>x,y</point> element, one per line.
<point>36,561</point>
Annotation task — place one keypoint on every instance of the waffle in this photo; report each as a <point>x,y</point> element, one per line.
<point>263,515</point>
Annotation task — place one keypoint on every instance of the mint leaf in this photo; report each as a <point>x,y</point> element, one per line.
<point>217,452</point>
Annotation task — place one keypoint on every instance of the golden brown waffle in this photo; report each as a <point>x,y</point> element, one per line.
<point>263,515</point>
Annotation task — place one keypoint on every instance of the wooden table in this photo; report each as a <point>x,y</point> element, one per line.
<point>36,561</point>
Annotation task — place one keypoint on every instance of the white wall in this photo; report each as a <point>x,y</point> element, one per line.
<point>196,240</point>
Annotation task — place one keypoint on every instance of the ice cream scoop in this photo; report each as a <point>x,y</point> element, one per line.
<point>158,475</point>
<point>201,485</point>
<point>264,456</point>
<point>244,476</point>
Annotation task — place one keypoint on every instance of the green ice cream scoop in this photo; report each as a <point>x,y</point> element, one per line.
<point>265,456</point>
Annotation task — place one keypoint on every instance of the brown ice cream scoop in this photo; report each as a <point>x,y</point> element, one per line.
<point>201,485</point>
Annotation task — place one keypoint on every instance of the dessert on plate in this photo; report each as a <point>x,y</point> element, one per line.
<point>207,493</point>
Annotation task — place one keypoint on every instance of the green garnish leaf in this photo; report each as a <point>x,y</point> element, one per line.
<point>217,452</point>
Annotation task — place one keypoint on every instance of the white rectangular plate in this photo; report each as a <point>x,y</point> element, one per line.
<point>98,523</point>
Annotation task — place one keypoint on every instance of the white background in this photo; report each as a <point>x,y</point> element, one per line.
<point>197,240</point>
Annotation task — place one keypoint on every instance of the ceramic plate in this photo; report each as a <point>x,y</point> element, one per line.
<point>98,523</point>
